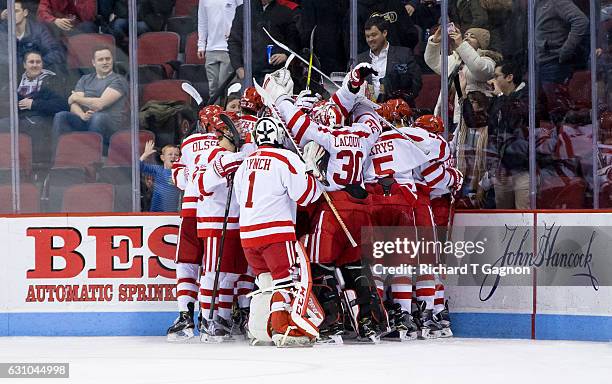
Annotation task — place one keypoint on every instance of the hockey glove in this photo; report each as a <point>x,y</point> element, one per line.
<point>276,85</point>
<point>306,100</point>
<point>456,181</point>
<point>228,164</point>
<point>358,76</point>
<point>315,157</point>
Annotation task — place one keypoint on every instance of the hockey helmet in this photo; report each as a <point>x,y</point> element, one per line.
<point>269,131</point>
<point>328,114</point>
<point>430,123</point>
<point>251,100</point>
<point>209,117</point>
<point>398,110</point>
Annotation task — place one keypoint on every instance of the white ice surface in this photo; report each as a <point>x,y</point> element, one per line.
<point>118,360</point>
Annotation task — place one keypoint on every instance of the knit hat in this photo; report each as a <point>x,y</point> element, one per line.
<point>482,35</point>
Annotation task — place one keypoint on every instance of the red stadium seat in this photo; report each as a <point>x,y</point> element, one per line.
<point>80,48</point>
<point>191,50</point>
<point>25,157</point>
<point>78,149</point>
<point>428,97</point>
<point>158,47</point>
<point>165,90</point>
<point>185,7</point>
<point>120,148</point>
<point>93,197</point>
<point>29,197</point>
<point>580,89</point>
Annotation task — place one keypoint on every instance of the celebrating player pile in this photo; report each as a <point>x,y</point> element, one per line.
<point>284,201</point>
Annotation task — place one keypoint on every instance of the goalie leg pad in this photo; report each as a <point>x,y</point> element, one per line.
<point>325,289</point>
<point>260,310</point>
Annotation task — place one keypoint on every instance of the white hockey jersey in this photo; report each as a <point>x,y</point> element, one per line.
<point>348,146</point>
<point>434,175</point>
<point>213,191</point>
<point>269,184</point>
<point>395,156</point>
<point>192,149</point>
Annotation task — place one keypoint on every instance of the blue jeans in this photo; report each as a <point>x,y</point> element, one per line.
<point>119,28</point>
<point>100,122</point>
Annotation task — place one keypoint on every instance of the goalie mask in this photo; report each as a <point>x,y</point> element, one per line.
<point>329,115</point>
<point>269,131</point>
<point>430,123</point>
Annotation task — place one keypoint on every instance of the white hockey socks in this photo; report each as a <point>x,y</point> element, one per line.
<point>186,285</point>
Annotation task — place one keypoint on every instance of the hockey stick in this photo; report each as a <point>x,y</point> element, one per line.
<point>311,55</point>
<point>277,115</point>
<point>191,91</point>
<point>236,140</point>
<point>370,103</point>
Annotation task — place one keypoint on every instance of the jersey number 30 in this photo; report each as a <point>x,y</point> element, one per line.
<point>352,167</point>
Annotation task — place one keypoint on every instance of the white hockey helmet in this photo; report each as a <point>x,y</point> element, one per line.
<point>270,131</point>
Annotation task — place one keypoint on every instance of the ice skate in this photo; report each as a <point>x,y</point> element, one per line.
<point>331,335</point>
<point>240,319</point>
<point>405,326</point>
<point>428,327</point>
<point>183,327</point>
<point>367,331</point>
<point>443,319</point>
<point>215,331</point>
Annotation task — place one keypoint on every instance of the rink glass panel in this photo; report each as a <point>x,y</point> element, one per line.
<point>39,187</point>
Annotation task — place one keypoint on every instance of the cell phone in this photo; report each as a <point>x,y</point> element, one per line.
<point>451,27</point>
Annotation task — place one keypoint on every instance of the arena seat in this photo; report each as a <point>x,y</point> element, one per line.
<point>91,197</point>
<point>25,157</point>
<point>29,197</point>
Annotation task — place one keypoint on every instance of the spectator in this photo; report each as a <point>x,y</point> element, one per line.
<point>329,38</point>
<point>468,14</point>
<point>119,21</point>
<point>214,25</point>
<point>67,17</point>
<point>278,20</point>
<point>398,73</point>
<point>233,103</point>
<point>33,36</point>
<point>470,60</point>
<point>509,135</point>
<point>98,101</point>
<point>41,95</point>
<point>402,31</point>
<point>166,195</point>
<point>561,30</point>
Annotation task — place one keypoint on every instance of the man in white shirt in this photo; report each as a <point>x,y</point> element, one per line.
<point>214,24</point>
<point>399,76</point>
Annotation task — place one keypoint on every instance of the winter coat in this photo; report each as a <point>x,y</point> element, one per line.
<point>402,75</point>
<point>84,10</point>
<point>329,36</point>
<point>49,100</point>
<point>38,38</point>
<point>509,128</point>
<point>561,30</point>
<point>278,20</point>
<point>478,69</point>
<point>154,13</point>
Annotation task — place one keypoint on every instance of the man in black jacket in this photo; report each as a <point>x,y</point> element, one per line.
<point>32,35</point>
<point>399,75</point>
<point>41,96</point>
<point>509,135</point>
<point>279,21</point>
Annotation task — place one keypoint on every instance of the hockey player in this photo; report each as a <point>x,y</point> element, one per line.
<point>215,167</point>
<point>347,146</point>
<point>431,176</point>
<point>392,186</point>
<point>269,184</point>
<point>250,105</point>
<point>189,248</point>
